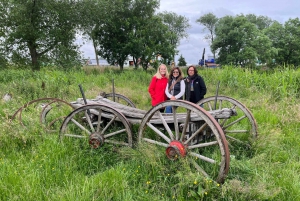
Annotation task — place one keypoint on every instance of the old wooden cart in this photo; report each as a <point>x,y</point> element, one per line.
<point>200,135</point>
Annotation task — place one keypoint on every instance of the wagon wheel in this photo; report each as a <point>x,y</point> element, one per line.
<point>53,120</point>
<point>98,124</point>
<point>119,99</point>
<point>190,132</point>
<point>41,107</point>
<point>240,128</point>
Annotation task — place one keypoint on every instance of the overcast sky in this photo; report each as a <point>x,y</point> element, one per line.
<point>192,47</point>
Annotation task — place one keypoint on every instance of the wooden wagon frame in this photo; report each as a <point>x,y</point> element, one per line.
<point>198,133</point>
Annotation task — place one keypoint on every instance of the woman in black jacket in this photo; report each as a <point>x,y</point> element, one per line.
<point>195,86</point>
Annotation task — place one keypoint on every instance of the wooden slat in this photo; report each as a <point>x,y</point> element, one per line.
<point>135,115</point>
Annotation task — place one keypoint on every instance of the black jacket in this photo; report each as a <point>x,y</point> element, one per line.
<point>199,89</point>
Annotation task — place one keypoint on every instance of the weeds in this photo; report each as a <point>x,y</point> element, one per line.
<point>36,166</point>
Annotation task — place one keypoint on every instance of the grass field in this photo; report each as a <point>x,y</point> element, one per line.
<point>35,165</point>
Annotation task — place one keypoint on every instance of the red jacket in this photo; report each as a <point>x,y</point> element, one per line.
<point>157,90</point>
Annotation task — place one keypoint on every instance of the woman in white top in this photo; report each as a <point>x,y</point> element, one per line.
<point>176,86</point>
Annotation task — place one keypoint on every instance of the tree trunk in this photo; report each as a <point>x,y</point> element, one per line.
<point>34,57</point>
<point>95,50</point>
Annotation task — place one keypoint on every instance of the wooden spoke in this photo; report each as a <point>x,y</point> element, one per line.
<point>198,168</point>
<point>205,144</point>
<point>158,132</point>
<point>114,133</point>
<point>99,121</point>
<point>202,157</point>
<point>108,124</point>
<point>166,127</point>
<point>196,133</point>
<point>155,142</point>
<point>80,126</point>
<point>186,123</point>
<point>234,122</point>
<point>176,127</point>
<point>88,118</point>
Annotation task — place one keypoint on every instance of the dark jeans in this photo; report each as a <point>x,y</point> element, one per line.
<point>168,109</point>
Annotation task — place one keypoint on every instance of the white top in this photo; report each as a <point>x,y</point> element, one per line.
<point>181,93</point>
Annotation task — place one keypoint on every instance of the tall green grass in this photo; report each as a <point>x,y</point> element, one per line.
<point>36,166</point>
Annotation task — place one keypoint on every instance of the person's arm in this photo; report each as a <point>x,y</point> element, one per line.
<point>167,91</point>
<point>182,90</point>
<point>151,88</point>
<point>202,87</point>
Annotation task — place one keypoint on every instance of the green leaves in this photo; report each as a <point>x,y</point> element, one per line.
<point>37,30</point>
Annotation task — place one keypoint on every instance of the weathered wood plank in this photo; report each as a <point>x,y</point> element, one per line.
<point>135,115</point>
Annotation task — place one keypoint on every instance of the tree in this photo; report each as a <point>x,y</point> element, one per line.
<point>261,22</point>
<point>177,26</point>
<point>285,38</point>
<point>36,30</point>
<point>147,33</point>
<point>91,13</point>
<point>209,21</point>
<point>154,40</point>
<point>240,42</point>
<point>120,33</point>
<point>181,61</point>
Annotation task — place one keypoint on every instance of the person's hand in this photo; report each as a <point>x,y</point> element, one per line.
<point>172,98</point>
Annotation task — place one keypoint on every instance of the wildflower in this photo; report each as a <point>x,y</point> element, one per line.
<point>146,192</point>
<point>218,184</point>
<point>195,182</point>
<point>148,182</point>
<point>205,193</point>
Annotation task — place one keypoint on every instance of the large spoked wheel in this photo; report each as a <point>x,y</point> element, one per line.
<point>189,133</point>
<point>119,99</point>
<point>239,129</point>
<point>47,111</point>
<point>97,125</point>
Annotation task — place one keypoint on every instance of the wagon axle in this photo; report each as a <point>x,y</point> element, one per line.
<point>175,149</point>
<point>96,140</point>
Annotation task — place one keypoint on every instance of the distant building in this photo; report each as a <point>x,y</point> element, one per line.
<point>93,62</point>
<point>103,62</point>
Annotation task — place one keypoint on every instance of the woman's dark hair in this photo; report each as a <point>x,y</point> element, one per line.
<point>180,76</point>
<point>195,70</point>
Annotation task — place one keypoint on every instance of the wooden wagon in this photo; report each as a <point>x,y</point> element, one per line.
<point>199,133</point>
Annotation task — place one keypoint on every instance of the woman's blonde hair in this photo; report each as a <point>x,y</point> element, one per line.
<point>158,75</point>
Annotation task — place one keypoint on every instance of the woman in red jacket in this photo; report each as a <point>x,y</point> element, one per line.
<point>158,85</point>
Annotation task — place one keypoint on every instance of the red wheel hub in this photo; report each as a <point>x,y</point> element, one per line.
<point>96,140</point>
<point>175,149</point>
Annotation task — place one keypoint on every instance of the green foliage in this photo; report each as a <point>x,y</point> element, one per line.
<point>123,30</point>
<point>240,42</point>
<point>209,21</point>
<point>285,39</point>
<point>181,61</point>
<point>36,166</point>
<point>177,25</point>
<point>39,31</point>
